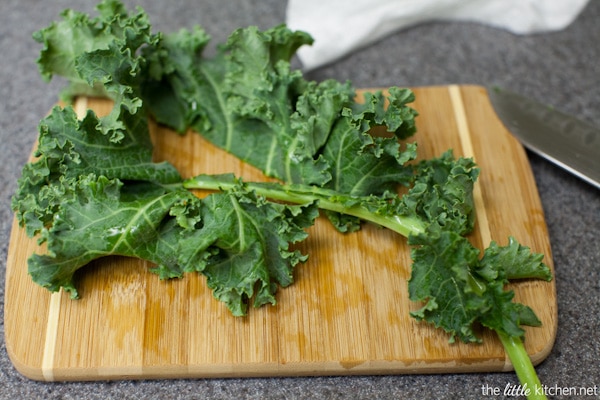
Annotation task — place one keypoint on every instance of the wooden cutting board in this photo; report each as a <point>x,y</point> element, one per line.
<point>346,313</point>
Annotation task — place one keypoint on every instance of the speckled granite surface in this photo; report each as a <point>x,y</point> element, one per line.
<point>561,68</point>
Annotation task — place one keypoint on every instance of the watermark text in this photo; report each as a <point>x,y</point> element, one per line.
<point>512,390</point>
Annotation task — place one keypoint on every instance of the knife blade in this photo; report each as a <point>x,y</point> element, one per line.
<point>560,138</point>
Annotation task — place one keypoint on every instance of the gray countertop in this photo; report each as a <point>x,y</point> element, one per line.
<point>561,68</point>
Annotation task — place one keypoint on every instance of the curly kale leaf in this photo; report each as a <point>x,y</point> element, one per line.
<point>98,56</point>
<point>240,242</point>
<point>442,193</point>
<point>247,100</point>
<point>460,289</point>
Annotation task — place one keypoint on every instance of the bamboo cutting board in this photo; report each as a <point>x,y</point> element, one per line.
<point>346,313</point>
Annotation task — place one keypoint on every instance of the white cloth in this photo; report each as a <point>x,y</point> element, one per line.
<point>341,26</point>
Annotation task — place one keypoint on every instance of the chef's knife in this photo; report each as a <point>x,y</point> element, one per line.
<point>566,141</point>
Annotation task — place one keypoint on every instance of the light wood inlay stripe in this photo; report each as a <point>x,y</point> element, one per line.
<point>467,147</point>
<point>51,334</point>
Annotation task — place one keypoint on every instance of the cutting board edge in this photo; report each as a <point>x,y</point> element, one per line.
<point>257,370</point>
<point>263,370</point>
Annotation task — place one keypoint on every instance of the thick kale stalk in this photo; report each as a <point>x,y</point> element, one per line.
<point>94,191</point>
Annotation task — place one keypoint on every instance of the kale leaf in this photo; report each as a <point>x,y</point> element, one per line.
<point>240,242</point>
<point>94,191</point>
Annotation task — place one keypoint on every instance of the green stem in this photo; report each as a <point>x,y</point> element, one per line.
<point>523,367</point>
<point>298,194</point>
